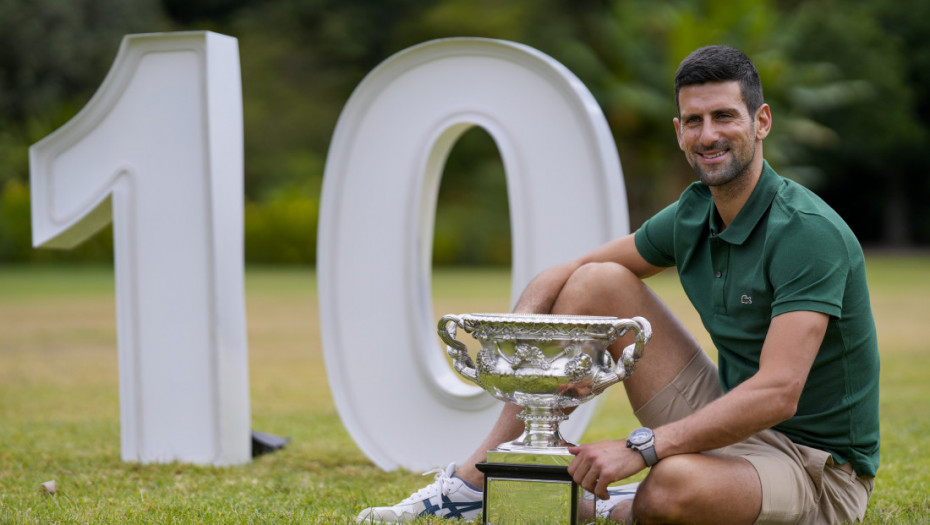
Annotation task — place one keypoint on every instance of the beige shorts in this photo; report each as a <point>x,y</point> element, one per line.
<point>800,484</point>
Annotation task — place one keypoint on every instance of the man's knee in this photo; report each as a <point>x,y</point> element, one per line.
<point>594,288</point>
<point>668,491</point>
<point>600,273</point>
<point>696,488</point>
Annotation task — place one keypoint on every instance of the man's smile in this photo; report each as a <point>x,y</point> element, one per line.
<point>716,153</point>
<point>712,155</point>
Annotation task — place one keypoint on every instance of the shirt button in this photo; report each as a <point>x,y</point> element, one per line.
<point>718,275</point>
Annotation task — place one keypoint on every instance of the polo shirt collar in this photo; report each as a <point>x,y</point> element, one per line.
<point>747,218</point>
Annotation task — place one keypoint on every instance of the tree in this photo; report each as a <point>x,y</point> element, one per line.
<point>846,81</point>
<point>55,54</point>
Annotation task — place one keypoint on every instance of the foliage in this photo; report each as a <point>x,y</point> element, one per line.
<point>54,52</point>
<point>278,228</point>
<point>60,407</point>
<point>846,81</point>
<point>859,87</point>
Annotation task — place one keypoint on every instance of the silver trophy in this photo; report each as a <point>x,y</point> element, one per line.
<point>545,364</point>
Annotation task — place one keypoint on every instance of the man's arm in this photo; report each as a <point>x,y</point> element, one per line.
<point>540,294</point>
<point>762,401</point>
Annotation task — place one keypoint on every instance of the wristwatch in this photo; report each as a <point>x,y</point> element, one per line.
<point>644,440</point>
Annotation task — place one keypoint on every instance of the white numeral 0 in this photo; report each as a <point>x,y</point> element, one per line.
<point>159,150</point>
<point>395,392</point>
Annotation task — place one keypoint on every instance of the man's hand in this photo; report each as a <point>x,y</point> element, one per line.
<point>597,465</point>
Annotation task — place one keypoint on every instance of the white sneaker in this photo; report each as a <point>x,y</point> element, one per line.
<point>603,507</point>
<point>447,497</point>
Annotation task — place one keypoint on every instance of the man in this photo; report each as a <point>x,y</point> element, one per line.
<point>786,430</point>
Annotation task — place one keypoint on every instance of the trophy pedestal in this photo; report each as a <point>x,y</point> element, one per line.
<point>524,488</point>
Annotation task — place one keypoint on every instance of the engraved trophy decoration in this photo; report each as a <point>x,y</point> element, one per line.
<point>544,363</point>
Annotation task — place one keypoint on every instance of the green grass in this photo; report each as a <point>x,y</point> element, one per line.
<point>59,412</point>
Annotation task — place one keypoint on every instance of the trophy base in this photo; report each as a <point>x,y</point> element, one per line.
<point>526,488</point>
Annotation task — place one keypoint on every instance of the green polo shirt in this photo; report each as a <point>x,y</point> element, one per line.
<point>786,250</point>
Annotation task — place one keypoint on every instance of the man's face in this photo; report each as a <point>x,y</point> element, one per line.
<point>716,131</point>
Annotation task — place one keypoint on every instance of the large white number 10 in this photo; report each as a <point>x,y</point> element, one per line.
<point>159,149</point>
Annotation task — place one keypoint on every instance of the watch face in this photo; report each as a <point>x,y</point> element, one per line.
<point>640,436</point>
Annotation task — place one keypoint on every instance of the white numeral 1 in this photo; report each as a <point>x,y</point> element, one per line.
<point>159,150</point>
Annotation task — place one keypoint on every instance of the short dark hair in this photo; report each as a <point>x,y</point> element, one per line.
<point>720,64</point>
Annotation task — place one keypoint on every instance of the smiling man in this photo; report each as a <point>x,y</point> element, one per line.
<point>785,428</point>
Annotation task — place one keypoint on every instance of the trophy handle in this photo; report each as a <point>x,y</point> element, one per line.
<point>634,352</point>
<point>456,349</point>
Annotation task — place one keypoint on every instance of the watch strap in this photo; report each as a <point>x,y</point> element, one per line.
<point>649,454</point>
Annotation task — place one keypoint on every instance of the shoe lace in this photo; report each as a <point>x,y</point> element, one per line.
<point>439,486</point>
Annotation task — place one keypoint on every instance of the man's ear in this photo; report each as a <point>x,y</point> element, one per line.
<point>681,144</point>
<point>763,121</point>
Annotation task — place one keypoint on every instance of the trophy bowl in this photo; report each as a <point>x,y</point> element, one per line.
<point>544,363</point>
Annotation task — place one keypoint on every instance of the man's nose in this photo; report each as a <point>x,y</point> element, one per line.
<point>709,134</point>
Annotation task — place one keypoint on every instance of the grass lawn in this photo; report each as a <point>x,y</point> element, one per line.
<point>59,412</point>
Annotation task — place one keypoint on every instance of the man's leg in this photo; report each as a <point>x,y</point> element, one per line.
<point>695,489</point>
<point>689,488</point>
<point>507,428</point>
